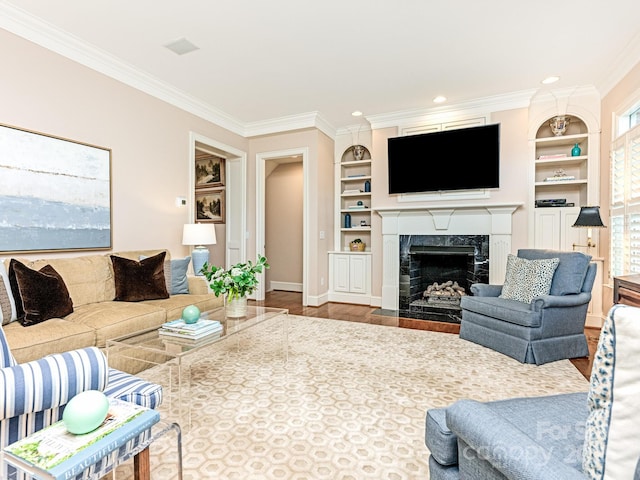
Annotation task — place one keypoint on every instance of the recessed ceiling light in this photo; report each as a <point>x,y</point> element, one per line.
<point>181,46</point>
<point>549,80</point>
<point>439,99</point>
<point>356,113</point>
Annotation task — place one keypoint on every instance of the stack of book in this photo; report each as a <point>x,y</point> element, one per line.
<point>554,156</point>
<point>559,178</point>
<point>178,331</point>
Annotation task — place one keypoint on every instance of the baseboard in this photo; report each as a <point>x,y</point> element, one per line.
<point>594,321</point>
<point>350,298</point>
<point>317,300</point>
<point>286,286</point>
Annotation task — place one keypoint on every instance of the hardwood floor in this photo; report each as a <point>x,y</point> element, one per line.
<point>364,314</point>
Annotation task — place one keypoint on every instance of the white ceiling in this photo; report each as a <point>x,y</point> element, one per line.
<point>261,61</point>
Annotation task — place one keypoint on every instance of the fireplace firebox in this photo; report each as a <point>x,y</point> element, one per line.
<point>436,271</point>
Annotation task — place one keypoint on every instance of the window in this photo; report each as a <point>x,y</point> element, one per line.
<point>628,121</point>
<point>625,197</point>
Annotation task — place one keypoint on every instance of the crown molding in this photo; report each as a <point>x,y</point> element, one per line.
<point>44,34</point>
<point>47,36</point>
<point>478,106</point>
<point>548,94</point>
<point>351,129</point>
<point>290,123</point>
<point>626,60</point>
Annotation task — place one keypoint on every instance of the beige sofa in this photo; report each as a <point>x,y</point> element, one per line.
<point>96,316</point>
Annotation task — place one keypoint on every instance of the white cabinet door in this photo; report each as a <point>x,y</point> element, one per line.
<point>570,235</point>
<point>341,273</point>
<point>547,228</point>
<point>358,273</point>
<point>350,277</point>
<point>554,230</point>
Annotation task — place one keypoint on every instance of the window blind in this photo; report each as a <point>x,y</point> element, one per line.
<point>625,203</point>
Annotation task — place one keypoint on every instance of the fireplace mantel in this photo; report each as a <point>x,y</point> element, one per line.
<point>460,219</point>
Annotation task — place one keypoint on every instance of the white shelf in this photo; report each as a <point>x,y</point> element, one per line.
<point>356,229</point>
<point>361,194</point>
<point>563,139</point>
<point>563,160</point>
<point>356,179</point>
<point>356,163</point>
<point>562,182</point>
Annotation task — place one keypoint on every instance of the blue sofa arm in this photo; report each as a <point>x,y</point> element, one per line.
<point>50,381</point>
<point>508,450</point>
<point>550,301</point>
<point>486,290</point>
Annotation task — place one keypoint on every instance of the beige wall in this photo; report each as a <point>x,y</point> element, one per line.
<point>616,101</point>
<point>319,193</point>
<point>149,139</point>
<point>45,92</point>
<point>283,224</point>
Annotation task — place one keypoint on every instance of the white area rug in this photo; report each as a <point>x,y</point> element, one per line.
<point>349,404</point>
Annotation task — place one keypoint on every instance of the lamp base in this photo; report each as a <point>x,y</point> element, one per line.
<point>199,256</point>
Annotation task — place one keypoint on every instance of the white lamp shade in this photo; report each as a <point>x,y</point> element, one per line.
<point>199,234</point>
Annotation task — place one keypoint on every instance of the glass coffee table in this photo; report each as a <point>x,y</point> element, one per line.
<point>144,349</point>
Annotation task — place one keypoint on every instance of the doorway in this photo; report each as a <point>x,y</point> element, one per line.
<point>282,232</point>
<point>231,235</point>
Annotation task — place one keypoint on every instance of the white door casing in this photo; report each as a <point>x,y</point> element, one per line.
<point>261,159</point>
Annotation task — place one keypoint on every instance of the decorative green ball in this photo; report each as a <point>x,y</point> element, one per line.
<point>191,314</point>
<point>85,412</point>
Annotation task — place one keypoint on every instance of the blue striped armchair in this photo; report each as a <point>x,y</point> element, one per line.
<point>33,395</point>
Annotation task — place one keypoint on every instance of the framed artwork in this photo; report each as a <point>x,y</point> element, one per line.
<point>55,194</point>
<point>209,170</point>
<point>209,205</point>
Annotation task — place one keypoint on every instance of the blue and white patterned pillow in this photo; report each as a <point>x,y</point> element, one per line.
<point>611,448</point>
<point>528,279</point>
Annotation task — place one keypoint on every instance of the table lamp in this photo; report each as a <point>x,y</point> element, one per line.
<point>589,217</point>
<point>199,235</point>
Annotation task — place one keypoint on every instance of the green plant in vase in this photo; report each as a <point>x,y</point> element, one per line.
<point>236,282</point>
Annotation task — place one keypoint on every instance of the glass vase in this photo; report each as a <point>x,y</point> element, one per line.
<point>235,307</point>
<point>576,150</point>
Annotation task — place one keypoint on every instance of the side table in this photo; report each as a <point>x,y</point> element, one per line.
<point>139,450</point>
<point>626,289</point>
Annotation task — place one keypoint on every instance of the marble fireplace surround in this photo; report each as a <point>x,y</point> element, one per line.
<point>494,220</point>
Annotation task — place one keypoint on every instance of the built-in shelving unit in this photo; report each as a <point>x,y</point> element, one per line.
<point>574,190</point>
<point>349,270</point>
<point>552,163</point>
<point>355,201</point>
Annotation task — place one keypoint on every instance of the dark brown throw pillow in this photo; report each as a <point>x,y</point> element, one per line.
<point>42,293</point>
<point>143,280</point>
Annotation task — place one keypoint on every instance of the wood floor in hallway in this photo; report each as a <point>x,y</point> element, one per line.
<point>363,313</point>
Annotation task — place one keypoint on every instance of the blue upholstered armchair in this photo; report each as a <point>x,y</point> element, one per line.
<point>541,329</point>
<point>33,394</point>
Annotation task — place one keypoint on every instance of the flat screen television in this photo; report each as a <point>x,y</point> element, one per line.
<point>461,159</point>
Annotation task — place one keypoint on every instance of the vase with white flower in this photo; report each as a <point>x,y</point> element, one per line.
<point>235,283</point>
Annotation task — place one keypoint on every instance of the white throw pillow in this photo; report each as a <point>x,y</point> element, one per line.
<point>611,448</point>
<point>528,279</point>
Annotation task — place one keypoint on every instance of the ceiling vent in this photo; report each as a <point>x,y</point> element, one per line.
<point>181,46</point>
